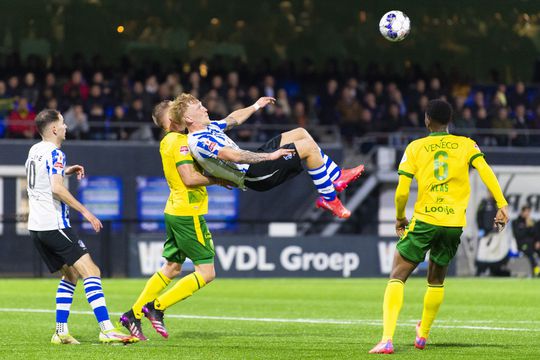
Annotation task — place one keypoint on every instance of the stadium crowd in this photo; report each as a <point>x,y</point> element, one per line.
<point>99,106</point>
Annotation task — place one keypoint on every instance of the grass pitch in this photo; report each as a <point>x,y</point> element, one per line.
<point>283,319</point>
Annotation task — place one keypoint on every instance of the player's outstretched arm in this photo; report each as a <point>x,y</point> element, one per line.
<point>239,116</point>
<point>249,157</point>
<point>490,180</point>
<point>62,193</point>
<point>401,197</point>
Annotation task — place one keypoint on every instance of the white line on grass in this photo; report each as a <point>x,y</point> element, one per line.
<point>302,321</point>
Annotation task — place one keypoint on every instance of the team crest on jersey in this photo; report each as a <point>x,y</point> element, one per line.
<point>288,157</point>
<point>209,144</point>
<point>184,150</point>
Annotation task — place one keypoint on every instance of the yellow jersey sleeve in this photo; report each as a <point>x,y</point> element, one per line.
<point>181,152</point>
<point>407,166</point>
<point>473,151</point>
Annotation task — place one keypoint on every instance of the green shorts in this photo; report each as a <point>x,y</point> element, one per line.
<point>188,237</point>
<point>419,237</point>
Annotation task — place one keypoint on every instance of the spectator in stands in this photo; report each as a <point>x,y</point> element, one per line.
<point>519,95</point>
<point>96,119</point>
<point>502,123</point>
<point>29,90</point>
<point>299,115</point>
<point>283,102</point>
<point>95,98</point>
<point>520,123</point>
<point>20,124</point>
<point>435,90</point>
<point>118,118</point>
<point>391,120</point>
<point>269,86</point>
<point>478,101</point>
<point>349,110</point>
<point>465,124</point>
<point>77,122</point>
<point>523,228</point>
<point>328,101</point>
<point>76,87</point>
<point>412,120</point>
<point>218,86</point>
<point>418,90</point>
<point>136,114</point>
<point>6,101</point>
<point>13,88</point>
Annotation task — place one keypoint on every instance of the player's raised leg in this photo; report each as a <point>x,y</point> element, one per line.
<point>432,302</point>
<point>340,178</point>
<point>96,298</point>
<point>64,299</point>
<point>131,319</point>
<point>310,153</point>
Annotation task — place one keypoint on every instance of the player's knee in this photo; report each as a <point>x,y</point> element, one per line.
<point>171,269</point>
<point>302,133</point>
<point>209,275</point>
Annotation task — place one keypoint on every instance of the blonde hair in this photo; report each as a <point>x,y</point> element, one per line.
<point>178,108</point>
<point>159,111</point>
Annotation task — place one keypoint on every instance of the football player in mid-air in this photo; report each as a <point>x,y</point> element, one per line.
<point>272,164</point>
<point>440,163</point>
<point>58,245</point>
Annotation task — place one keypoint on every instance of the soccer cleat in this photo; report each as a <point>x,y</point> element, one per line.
<point>64,339</point>
<point>384,347</point>
<point>347,177</point>
<point>420,342</point>
<point>335,207</point>
<point>156,318</point>
<point>130,322</point>
<point>116,336</point>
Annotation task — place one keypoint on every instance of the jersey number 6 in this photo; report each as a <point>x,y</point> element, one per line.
<point>440,165</point>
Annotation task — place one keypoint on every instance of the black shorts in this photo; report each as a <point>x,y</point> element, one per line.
<point>267,175</point>
<point>58,247</point>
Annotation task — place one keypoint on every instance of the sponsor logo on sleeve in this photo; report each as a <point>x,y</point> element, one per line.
<point>184,150</point>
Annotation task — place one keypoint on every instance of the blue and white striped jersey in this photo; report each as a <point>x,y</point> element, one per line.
<point>205,145</point>
<point>46,212</point>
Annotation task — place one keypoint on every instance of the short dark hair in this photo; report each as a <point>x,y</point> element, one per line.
<point>46,117</point>
<point>439,111</point>
<point>158,112</point>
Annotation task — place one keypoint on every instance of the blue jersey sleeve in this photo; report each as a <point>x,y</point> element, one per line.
<point>58,162</point>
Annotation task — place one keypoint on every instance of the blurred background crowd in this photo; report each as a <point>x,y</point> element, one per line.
<point>103,103</point>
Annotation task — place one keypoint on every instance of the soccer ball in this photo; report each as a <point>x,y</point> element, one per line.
<point>395,25</point>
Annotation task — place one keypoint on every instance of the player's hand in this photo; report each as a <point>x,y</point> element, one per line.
<point>265,100</point>
<point>501,219</point>
<point>94,221</point>
<point>75,169</point>
<point>400,226</point>
<point>280,153</point>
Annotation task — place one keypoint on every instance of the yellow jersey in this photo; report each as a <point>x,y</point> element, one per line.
<point>440,163</point>
<point>183,201</point>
